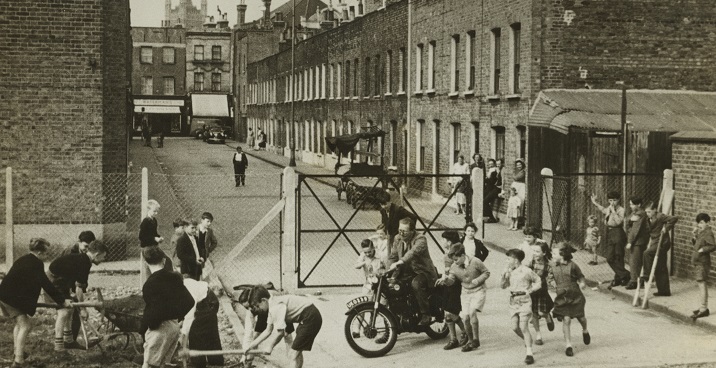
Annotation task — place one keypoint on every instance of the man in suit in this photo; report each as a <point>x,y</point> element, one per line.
<point>410,254</point>
<point>188,251</point>
<point>391,214</point>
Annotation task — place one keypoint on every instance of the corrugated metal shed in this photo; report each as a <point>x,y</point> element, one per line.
<point>647,110</point>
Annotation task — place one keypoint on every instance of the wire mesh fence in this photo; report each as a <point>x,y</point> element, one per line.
<point>335,213</point>
<point>567,204</point>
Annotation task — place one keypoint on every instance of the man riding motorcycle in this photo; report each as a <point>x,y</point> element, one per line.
<point>411,249</point>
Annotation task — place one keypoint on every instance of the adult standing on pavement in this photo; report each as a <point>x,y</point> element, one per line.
<point>637,240</point>
<point>616,237</point>
<point>261,137</point>
<point>491,191</point>
<point>251,139</point>
<point>390,216</point>
<point>658,224</point>
<point>410,253</point>
<point>518,182</point>
<point>240,164</point>
<point>146,129</point>
<point>461,185</point>
<point>704,244</point>
<point>477,162</point>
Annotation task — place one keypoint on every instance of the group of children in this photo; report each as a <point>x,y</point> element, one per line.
<point>64,282</point>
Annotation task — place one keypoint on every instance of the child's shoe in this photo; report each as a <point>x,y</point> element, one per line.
<point>539,342</point>
<point>463,339</point>
<point>569,352</point>
<point>586,338</point>
<point>470,346</point>
<point>593,263</point>
<point>529,360</point>
<point>452,344</point>
<point>550,322</point>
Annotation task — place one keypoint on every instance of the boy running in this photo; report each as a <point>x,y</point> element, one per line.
<point>521,282</point>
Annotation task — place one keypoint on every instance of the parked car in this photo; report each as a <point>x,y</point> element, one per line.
<point>199,126</point>
<point>216,134</point>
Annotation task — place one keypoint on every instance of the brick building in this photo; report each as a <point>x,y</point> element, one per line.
<point>158,77</point>
<point>65,116</point>
<point>694,167</point>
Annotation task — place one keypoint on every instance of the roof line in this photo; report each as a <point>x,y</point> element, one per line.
<point>654,91</point>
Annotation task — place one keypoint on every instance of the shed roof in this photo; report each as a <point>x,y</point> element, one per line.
<point>647,110</point>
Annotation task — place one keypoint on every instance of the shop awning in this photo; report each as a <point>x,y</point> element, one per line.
<point>208,105</point>
<point>158,109</point>
<point>647,110</point>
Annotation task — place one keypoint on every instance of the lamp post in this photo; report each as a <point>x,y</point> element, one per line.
<point>292,143</point>
<point>625,140</point>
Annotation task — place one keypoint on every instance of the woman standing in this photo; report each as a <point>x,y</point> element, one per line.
<point>251,139</point>
<point>461,185</point>
<point>240,164</point>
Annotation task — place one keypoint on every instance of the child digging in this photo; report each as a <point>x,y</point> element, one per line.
<point>541,300</point>
<point>521,282</point>
<point>167,301</point>
<point>472,274</point>
<point>69,274</point>
<point>569,303</point>
<point>20,290</point>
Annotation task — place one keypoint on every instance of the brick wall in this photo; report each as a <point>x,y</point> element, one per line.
<point>159,38</point>
<point>208,66</point>
<point>694,167</point>
<point>64,114</point>
<point>650,44</point>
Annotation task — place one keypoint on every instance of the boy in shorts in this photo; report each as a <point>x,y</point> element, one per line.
<point>372,265</point>
<point>283,310</point>
<point>472,274</point>
<point>522,282</point>
<point>69,274</point>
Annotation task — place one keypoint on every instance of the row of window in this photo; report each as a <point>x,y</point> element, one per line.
<point>310,137</point>
<point>147,54</point>
<point>168,84</point>
<point>340,80</point>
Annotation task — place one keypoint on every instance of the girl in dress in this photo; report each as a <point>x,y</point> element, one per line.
<point>541,300</point>
<point>592,238</point>
<point>514,208</point>
<point>569,303</point>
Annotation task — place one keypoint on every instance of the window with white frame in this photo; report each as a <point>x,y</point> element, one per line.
<point>470,61</point>
<point>147,85</point>
<point>419,68</point>
<point>454,64</point>
<point>366,78</point>
<point>168,55</point>
<point>420,146</point>
<point>198,82</point>
<point>431,66</point>
<point>403,72</point>
<point>394,143</point>
<point>498,142</point>
<point>389,71</point>
<point>339,79</point>
<point>377,76</point>
<point>356,65</point>
<point>515,40</point>
<point>475,138</point>
<point>332,81</point>
<point>146,55</point>
<point>456,141</point>
<point>495,61</point>
<point>522,141</point>
<point>169,86</point>
<point>348,79</point>
<point>198,52</point>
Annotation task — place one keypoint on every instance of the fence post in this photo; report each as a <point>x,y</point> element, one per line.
<point>477,178</point>
<point>288,255</point>
<point>547,195</point>
<point>143,274</point>
<point>9,226</point>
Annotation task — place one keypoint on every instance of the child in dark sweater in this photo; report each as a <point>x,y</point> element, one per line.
<point>167,301</point>
<point>69,274</point>
<point>20,289</point>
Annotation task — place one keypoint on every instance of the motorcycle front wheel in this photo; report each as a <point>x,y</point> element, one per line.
<point>371,342</point>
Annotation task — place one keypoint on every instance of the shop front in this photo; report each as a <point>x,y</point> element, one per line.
<point>166,113</point>
<point>211,109</point>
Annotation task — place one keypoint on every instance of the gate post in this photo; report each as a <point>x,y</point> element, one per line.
<point>288,256</point>
<point>9,226</point>
<point>143,270</point>
<point>477,178</point>
<point>547,195</point>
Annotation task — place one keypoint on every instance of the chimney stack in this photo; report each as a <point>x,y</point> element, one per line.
<point>267,12</point>
<point>241,14</point>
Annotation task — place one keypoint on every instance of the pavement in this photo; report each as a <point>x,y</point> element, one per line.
<point>679,306</point>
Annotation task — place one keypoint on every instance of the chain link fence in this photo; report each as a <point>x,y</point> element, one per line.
<point>566,205</point>
<point>335,213</point>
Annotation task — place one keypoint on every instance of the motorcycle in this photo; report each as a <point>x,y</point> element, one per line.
<point>372,327</point>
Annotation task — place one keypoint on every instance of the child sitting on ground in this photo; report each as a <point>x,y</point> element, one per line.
<point>592,239</point>
<point>20,290</point>
<point>569,302</point>
<point>69,274</point>
<point>167,301</point>
<point>522,282</point>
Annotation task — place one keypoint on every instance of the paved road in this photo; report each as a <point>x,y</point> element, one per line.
<point>621,336</point>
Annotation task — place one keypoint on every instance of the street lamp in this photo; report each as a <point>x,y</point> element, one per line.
<point>624,139</point>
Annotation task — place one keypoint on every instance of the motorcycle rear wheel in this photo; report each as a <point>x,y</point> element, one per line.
<point>362,339</point>
<point>437,330</point>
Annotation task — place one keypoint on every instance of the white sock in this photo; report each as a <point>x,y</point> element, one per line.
<point>529,350</point>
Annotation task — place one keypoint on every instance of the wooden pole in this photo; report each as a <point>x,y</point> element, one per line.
<point>9,226</point>
<point>143,270</point>
<point>289,276</point>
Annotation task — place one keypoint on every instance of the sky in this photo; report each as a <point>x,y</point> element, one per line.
<point>150,13</point>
